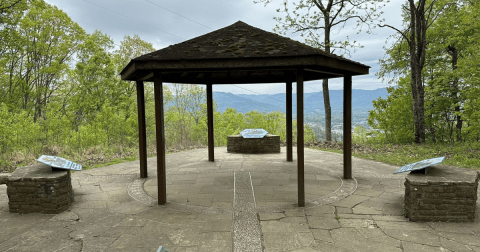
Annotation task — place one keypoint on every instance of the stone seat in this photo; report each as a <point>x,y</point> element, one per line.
<point>3,178</point>
<point>38,188</point>
<point>445,193</point>
<point>267,144</point>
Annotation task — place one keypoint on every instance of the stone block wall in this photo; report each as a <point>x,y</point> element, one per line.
<point>3,178</point>
<point>37,188</point>
<point>267,144</point>
<point>445,193</point>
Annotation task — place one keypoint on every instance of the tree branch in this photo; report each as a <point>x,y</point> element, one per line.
<point>320,6</point>
<point>339,10</point>
<point>436,15</point>
<point>308,28</point>
<point>343,20</point>
<point>6,7</point>
<point>403,34</point>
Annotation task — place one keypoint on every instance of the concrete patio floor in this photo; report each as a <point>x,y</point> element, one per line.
<point>237,203</point>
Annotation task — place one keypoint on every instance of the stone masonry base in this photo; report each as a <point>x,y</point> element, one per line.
<point>37,188</point>
<point>267,144</point>
<point>445,193</point>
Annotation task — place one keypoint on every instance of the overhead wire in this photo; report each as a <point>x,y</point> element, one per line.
<point>136,20</point>
<point>183,38</point>
<point>210,29</point>
<point>178,14</point>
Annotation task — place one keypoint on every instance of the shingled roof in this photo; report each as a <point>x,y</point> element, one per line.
<point>240,46</point>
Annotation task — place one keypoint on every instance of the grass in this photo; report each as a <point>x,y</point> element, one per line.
<point>89,159</point>
<point>463,154</point>
<point>112,162</point>
<point>458,154</point>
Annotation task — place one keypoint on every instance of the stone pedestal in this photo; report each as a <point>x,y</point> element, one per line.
<point>37,188</point>
<point>445,193</point>
<point>267,144</point>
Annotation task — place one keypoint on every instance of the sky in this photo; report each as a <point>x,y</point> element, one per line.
<point>165,23</point>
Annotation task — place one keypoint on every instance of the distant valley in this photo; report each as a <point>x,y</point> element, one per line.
<point>313,104</point>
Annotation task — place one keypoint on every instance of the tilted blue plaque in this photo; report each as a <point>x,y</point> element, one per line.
<point>424,164</point>
<point>60,163</point>
<point>253,133</point>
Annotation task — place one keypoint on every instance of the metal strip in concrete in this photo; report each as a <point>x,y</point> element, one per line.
<point>246,226</point>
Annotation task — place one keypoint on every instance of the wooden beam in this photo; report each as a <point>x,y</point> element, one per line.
<point>300,151</point>
<point>289,121</point>
<point>160,134</point>
<point>211,143</point>
<point>145,76</point>
<point>322,72</point>
<point>347,127</point>
<point>324,63</point>
<point>185,74</point>
<point>142,131</point>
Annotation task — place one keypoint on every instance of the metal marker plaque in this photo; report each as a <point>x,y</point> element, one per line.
<point>162,249</point>
<point>58,162</point>
<point>253,133</point>
<point>420,165</point>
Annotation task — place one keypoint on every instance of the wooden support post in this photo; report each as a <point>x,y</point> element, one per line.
<point>347,127</point>
<point>160,134</point>
<point>289,121</point>
<point>142,131</point>
<point>211,143</point>
<point>300,151</point>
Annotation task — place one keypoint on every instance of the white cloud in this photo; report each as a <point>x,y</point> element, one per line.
<point>118,18</point>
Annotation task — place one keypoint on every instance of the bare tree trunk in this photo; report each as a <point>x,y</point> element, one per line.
<point>418,46</point>
<point>326,93</point>
<point>452,50</point>
<point>328,111</point>
<point>418,94</point>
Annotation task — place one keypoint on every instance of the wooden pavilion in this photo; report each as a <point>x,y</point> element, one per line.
<point>239,54</point>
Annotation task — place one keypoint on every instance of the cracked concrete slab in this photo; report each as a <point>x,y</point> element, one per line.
<point>415,236</point>
<point>350,238</point>
<point>198,216</point>
<point>323,222</point>
<point>351,201</point>
<point>409,246</point>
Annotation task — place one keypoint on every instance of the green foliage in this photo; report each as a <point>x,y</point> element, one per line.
<point>17,131</point>
<point>392,118</point>
<point>38,56</point>
<point>463,155</point>
<point>450,80</point>
<point>308,17</point>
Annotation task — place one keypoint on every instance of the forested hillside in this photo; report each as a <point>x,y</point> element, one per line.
<point>61,94</point>
<point>312,101</point>
<point>449,85</point>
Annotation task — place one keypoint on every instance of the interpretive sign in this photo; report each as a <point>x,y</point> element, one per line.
<point>162,249</point>
<point>420,165</point>
<point>253,133</point>
<point>58,162</point>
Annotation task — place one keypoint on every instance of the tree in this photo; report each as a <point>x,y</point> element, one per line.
<point>10,13</point>
<point>450,75</point>
<point>309,16</point>
<point>39,56</point>
<point>187,99</point>
<point>93,80</point>
<point>420,17</point>
<point>392,117</point>
<point>445,76</point>
<point>130,48</point>
<point>7,7</point>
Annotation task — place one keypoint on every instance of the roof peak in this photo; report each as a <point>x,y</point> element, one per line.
<point>238,40</point>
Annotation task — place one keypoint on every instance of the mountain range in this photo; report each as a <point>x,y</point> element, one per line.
<point>313,102</point>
